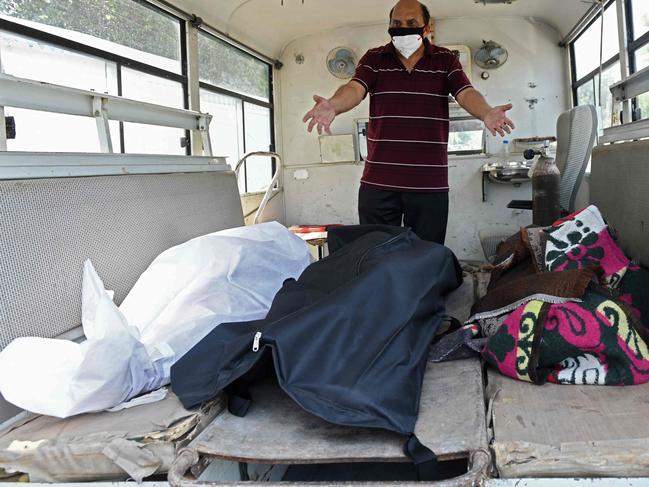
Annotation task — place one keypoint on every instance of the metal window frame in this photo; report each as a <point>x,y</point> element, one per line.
<point>168,10</point>
<point>626,56</point>
<point>637,45</point>
<point>633,46</point>
<point>586,20</point>
<point>166,6</point>
<point>481,151</point>
<point>184,69</point>
<point>243,99</point>
<point>23,30</point>
<point>576,83</point>
<point>119,61</point>
<point>633,81</point>
<point>225,91</point>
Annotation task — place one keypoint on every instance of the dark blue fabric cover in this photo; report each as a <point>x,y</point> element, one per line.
<point>348,340</point>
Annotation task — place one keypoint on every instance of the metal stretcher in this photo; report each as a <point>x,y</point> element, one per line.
<point>277,431</point>
<point>540,431</point>
<point>530,431</point>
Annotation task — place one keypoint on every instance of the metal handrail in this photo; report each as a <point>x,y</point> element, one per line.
<point>271,188</point>
<point>36,95</point>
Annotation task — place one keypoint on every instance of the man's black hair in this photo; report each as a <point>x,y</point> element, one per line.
<point>424,11</point>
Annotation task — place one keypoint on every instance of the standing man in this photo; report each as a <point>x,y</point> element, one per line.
<point>409,80</point>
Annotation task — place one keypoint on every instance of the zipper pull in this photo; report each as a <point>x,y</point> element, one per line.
<point>255,344</point>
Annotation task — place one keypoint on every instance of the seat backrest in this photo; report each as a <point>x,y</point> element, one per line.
<point>48,227</point>
<point>618,186</point>
<point>576,133</point>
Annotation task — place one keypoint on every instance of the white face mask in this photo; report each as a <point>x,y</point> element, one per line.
<point>407,45</point>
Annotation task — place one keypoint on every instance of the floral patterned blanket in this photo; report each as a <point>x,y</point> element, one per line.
<point>584,240</point>
<point>599,339</point>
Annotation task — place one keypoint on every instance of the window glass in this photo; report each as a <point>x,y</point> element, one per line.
<point>640,9</point>
<point>124,27</point>
<point>151,139</point>
<point>642,57</point>
<point>641,62</point>
<point>587,46</point>
<point>362,127</point>
<point>38,131</point>
<point>29,58</point>
<point>225,66</point>
<point>152,89</point>
<point>466,136</point>
<point>609,76</point>
<point>226,128</point>
<point>586,93</point>
<point>643,105</point>
<point>259,170</point>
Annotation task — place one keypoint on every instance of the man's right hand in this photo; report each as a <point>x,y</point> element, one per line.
<point>322,114</point>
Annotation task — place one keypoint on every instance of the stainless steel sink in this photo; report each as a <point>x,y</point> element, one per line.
<point>513,172</point>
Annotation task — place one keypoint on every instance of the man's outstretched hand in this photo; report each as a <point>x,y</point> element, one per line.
<point>496,120</point>
<point>322,114</point>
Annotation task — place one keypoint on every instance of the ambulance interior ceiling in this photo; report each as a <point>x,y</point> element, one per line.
<point>269,26</point>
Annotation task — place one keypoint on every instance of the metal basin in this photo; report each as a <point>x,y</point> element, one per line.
<point>514,172</point>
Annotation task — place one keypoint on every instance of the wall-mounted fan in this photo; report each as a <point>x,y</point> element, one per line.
<point>341,62</point>
<point>491,55</point>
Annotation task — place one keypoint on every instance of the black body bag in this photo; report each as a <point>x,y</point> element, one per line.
<point>348,341</point>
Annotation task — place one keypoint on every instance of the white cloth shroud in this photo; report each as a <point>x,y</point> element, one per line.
<point>227,276</point>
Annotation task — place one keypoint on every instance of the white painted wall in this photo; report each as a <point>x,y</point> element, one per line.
<point>274,210</point>
<point>329,194</point>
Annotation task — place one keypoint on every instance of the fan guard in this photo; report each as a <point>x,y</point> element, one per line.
<point>341,62</point>
<point>491,55</point>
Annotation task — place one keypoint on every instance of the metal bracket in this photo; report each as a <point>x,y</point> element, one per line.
<point>3,130</point>
<point>10,127</point>
<point>103,128</point>
<point>485,178</point>
<point>635,85</point>
<point>204,129</point>
<point>195,21</point>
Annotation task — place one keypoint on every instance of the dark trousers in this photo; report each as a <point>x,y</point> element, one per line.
<point>425,213</point>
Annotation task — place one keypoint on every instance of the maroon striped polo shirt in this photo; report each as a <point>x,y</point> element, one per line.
<point>409,119</point>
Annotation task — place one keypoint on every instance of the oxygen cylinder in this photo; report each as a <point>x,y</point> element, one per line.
<point>546,181</point>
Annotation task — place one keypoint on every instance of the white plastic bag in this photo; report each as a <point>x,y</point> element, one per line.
<point>228,276</point>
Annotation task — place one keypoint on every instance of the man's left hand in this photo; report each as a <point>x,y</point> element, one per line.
<point>496,120</point>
